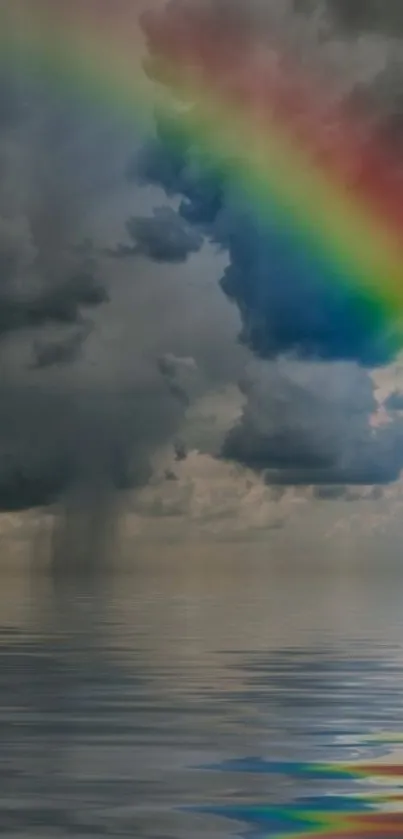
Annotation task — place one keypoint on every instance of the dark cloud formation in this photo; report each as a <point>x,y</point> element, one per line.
<point>97,369</point>
<point>44,279</point>
<point>48,289</point>
<point>180,451</point>
<point>311,424</point>
<point>76,426</point>
<point>54,441</point>
<point>180,374</point>
<point>62,304</point>
<point>103,444</point>
<point>59,351</point>
<point>73,437</point>
<point>162,237</point>
<point>165,236</point>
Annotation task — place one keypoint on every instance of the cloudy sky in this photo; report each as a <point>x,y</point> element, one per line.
<point>143,376</point>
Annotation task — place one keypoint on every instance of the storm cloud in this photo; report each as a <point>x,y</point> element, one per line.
<point>164,236</point>
<point>313,424</point>
<point>80,417</point>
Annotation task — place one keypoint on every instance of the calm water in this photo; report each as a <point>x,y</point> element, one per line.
<point>181,703</point>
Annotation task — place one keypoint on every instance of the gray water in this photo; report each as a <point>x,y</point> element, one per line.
<point>149,705</point>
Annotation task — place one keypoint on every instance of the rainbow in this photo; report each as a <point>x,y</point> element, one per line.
<point>335,815</point>
<point>303,163</point>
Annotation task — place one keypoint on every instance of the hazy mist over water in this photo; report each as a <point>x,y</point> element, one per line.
<point>117,695</point>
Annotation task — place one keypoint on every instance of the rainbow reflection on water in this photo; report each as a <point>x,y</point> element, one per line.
<point>374,809</point>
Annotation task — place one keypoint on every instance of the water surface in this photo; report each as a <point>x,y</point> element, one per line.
<point>193,701</point>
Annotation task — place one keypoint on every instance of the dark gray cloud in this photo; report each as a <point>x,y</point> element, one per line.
<point>60,350</point>
<point>61,304</point>
<point>76,436</point>
<point>164,236</point>
<point>311,424</point>
<point>70,434</point>
<point>47,291</point>
<point>180,374</point>
<point>44,279</point>
<point>53,440</point>
<point>180,451</point>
